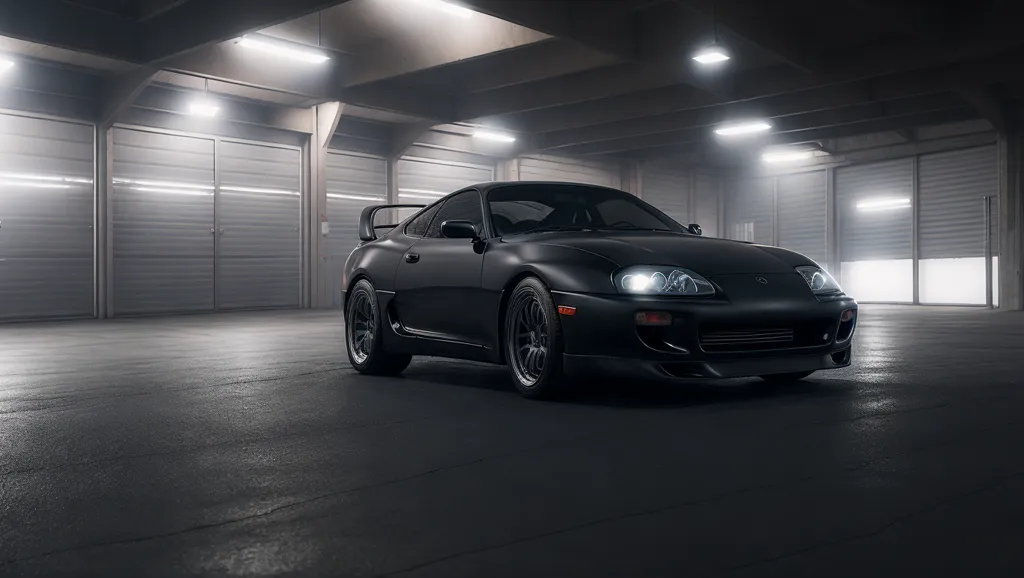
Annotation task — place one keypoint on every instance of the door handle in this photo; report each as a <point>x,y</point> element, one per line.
<point>412,258</point>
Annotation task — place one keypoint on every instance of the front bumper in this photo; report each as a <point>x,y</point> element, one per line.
<point>602,337</point>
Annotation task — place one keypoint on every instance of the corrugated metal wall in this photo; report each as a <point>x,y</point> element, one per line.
<point>162,210</point>
<point>353,183</point>
<point>569,170</point>
<point>705,203</point>
<point>669,191</point>
<point>802,215</point>
<point>46,218</point>
<point>259,251</point>
<point>873,224</point>
<point>952,187</point>
<point>749,213</point>
<point>422,181</point>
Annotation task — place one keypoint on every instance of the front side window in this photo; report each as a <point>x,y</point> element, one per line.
<point>523,208</point>
<point>464,206</point>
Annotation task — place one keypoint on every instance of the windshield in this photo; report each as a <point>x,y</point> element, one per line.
<point>519,209</point>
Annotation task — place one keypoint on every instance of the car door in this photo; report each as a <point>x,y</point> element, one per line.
<point>437,286</point>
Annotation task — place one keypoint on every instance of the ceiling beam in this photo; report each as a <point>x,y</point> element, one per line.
<point>70,26</point>
<point>823,98</point>
<point>825,133</point>
<point>120,92</point>
<point>195,24</point>
<point>794,123</point>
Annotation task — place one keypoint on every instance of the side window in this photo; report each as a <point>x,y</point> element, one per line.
<point>464,206</point>
<point>418,226</point>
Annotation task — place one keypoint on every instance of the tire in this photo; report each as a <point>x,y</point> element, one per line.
<point>366,352</point>
<point>533,341</point>
<point>786,377</point>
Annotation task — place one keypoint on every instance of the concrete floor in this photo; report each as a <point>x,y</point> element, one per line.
<point>243,445</point>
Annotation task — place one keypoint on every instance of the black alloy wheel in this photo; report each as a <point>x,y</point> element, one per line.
<point>533,340</point>
<point>363,334</point>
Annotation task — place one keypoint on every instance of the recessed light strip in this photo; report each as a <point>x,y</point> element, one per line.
<point>282,50</point>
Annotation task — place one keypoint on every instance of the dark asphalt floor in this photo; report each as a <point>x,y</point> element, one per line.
<point>243,445</point>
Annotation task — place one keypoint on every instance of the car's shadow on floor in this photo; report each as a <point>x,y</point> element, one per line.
<point>626,393</point>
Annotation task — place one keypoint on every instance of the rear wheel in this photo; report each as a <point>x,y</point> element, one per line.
<point>533,341</point>
<point>363,335</point>
<point>784,377</point>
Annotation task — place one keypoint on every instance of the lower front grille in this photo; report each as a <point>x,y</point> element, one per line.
<point>746,340</point>
<point>725,338</point>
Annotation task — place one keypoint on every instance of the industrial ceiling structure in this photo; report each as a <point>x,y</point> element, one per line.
<point>591,79</point>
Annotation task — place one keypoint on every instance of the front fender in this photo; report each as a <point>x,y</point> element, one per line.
<point>561,268</point>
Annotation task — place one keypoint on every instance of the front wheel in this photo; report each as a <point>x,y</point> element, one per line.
<point>533,341</point>
<point>364,336</point>
<point>785,377</point>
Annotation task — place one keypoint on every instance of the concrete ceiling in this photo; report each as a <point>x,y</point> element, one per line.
<point>610,77</point>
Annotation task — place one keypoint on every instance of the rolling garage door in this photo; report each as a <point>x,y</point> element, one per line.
<point>423,181</point>
<point>705,204</point>
<point>259,251</point>
<point>750,208</point>
<point>46,219</point>
<point>162,209</point>
<point>802,215</point>
<point>875,228</point>
<point>668,191</point>
<point>569,170</point>
<point>951,224</point>
<point>353,183</point>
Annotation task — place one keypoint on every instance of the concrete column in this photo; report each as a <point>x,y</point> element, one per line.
<point>1011,220</point>
<point>104,182</point>
<point>632,178</point>
<point>507,170</point>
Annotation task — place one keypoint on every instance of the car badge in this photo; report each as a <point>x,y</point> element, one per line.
<point>761,280</point>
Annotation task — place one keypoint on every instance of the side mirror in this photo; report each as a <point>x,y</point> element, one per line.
<point>694,228</point>
<point>459,230</point>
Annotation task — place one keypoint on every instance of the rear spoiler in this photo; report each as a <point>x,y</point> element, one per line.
<point>367,230</point>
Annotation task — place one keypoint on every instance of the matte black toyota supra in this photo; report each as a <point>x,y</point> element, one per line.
<point>557,280</point>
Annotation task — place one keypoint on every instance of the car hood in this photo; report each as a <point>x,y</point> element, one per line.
<point>703,255</point>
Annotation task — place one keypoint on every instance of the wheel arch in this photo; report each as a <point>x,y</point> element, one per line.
<point>506,293</point>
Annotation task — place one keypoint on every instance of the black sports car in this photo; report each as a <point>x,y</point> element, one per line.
<point>557,279</point>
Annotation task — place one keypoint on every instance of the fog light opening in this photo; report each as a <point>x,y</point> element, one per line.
<point>841,357</point>
<point>652,318</point>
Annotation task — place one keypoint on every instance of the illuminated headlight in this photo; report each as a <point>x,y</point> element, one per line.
<point>820,282</point>
<point>662,281</point>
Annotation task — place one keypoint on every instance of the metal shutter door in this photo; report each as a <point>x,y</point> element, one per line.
<point>705,204</point>
<point>874,231</point>
<point>46,218</point>
<point>423,181</point>
<point>802,215</point>
<point>353,183</point>
<point>162,214</point>
<point>259,253</point>
<point>668,191</point>
<point>952,185</point>
<point>750,210</point>
<point>569,170</point>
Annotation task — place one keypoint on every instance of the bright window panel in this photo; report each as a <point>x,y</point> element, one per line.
<point>995,281</point>
<point>953,281</point>
<point>879,281</point>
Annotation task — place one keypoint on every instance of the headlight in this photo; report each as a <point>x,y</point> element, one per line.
<point>820,282</point>
<point>662,281</point>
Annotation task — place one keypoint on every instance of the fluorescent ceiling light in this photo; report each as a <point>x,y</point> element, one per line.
<point>257,191</point>
<point>206,108</point>
<point>453,9</point>
<point>495,136</point>
<point>883,204</point>
<point>786,157</point>
<point>283,50</point>
<point>743,128</point>
<point>5,65</point>
<point>711,55</point>
<point>356,198</point>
